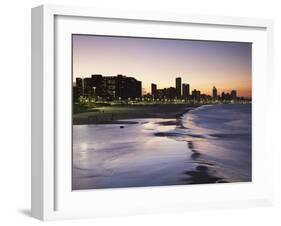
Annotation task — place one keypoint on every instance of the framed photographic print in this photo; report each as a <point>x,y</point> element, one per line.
<point>137,112</point>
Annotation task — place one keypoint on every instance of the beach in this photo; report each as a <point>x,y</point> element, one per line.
<point>163,145</point>
<point>111,114</point>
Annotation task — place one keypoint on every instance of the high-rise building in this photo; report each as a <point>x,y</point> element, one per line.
<point>225,96</point>
<point>233,94</point>
<point>97,85</point>
<point>109,87</point>
<point>79,87</point>
<point>161,94</point>
<point>88,87</point>
<point>170,93</point>
<point>196,94</point>
<point>166,93</point>
<point>74,93</point>
<point>178,87</point>
<point>138,89</point>
<point>215,92</point>
<point>128,87</point>
<point>185,90</point>
<point>154,90</point>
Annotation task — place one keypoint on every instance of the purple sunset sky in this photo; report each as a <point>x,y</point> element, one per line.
<point>202,64</point>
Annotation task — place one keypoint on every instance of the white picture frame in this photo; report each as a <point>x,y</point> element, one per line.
<point>52,197</point>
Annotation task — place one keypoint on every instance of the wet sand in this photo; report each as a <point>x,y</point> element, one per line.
<point>111,114</point>
<point>157,152</point>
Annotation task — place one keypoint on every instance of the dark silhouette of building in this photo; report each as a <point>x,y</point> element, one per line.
<point>233,94</point>
<point>215,92</point>
<point>88,87</point>
<point>127,87</point>
<point>167,93</point>
<point>196,94</point>
<point>161,94</point>
<point>79,87</point>
<point>185,90</point>
<point>74,93</point>
<point>110,87</point>
<point>97,85</point>
<point>225,96</point>
<point>154,90</point>
<point>171,93</point>
<point>178,87</point>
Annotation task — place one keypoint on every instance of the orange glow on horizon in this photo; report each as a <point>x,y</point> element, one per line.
<point>202,64</point>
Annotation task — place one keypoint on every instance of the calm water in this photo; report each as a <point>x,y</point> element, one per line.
<point>209,144</point>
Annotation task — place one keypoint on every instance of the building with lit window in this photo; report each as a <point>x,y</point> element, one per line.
<point>215,92</point>
<point>79,87</point>
<point>153,90</point>
<point>185,91</point>
<point>233,94</point>
<point>196,94</point>
<point>109,87</point>
<point>178,87</point>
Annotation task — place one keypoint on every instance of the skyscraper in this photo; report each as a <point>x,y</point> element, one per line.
<point>88,87</point>
<point>127,87</point>
<point>153,90</point>
<point>185,90</point>
<point>196,94</point>
<point>215,92</point>
<point>178,87</point>
<point>170,92</point>
<point>79,87</point>
<point>97,85</point>
<point>233,94</point>
<point>109,87</point>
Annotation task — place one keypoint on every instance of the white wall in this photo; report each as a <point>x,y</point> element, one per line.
<point>15,111</point>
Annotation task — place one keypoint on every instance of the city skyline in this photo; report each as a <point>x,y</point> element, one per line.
<point>158,61</point>
<point>128,87</point>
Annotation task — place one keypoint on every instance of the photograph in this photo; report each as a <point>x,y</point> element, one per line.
<point>150,111</point>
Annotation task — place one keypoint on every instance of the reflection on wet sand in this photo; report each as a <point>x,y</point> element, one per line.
<point>192,149</point>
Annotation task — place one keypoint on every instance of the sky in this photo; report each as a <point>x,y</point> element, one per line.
<point>202,64</point>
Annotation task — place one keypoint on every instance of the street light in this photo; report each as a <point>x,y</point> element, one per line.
<point>94,94</point>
